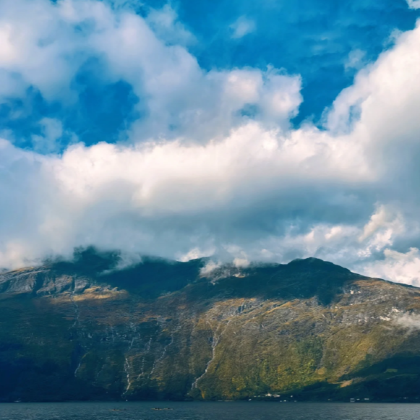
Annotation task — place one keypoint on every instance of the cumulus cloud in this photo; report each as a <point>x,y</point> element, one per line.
<point>177,97</point>
<point>32,36</point>
<point>166,198</point>
<point>213,165</point>
<point>397,266</point>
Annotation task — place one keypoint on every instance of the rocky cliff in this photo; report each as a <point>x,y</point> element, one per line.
<point>84,330</point>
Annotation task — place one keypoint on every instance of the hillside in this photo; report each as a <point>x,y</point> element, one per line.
<point>83,330</point>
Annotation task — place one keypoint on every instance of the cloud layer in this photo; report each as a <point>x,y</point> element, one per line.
<point>212,164</point>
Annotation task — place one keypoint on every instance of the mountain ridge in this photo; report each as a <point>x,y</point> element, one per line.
<point>81,330</point>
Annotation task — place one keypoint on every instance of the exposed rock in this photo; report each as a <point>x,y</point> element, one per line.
<point>163,330</point>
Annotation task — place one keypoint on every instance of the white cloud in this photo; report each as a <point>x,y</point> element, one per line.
<point>241,262</point>
<point>414,4</point>
<point>156,198</point>
<point>44,45</point>
<point>242,26</point>
<point>35,34</point>
<point>215,166</point>
<point>11,85</point>
<point>408,321</point>
<point>381,230</point>
<point>52,131</point>
<point>166,26</point>
<point>210,267</point>
<point>356,60</point>
<point>397,266</point>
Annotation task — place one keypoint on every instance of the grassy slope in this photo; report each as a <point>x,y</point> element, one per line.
<point>308,329</point>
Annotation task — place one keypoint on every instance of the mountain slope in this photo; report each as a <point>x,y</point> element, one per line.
<point>311,329</point>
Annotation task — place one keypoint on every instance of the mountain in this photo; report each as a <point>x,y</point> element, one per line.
<point>87,330</point>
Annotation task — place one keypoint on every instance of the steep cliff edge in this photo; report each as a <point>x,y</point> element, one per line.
<point>83,330</point>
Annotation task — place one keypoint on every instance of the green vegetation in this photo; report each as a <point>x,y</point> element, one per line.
<point>80,331</point>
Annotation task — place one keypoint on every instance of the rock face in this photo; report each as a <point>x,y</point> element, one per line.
<point>161,330</point>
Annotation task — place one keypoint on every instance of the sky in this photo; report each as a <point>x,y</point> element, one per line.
<point>246,131</point>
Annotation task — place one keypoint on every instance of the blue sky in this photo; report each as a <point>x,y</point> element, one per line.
<point>243,130</point>
<point>308,37</point>
<point>325,42</point>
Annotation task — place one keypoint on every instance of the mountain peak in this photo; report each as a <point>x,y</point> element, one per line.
<point>159,329</point>
<point>313,263</point>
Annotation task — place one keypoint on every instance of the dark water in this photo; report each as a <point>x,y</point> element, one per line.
<point>209,411</point>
